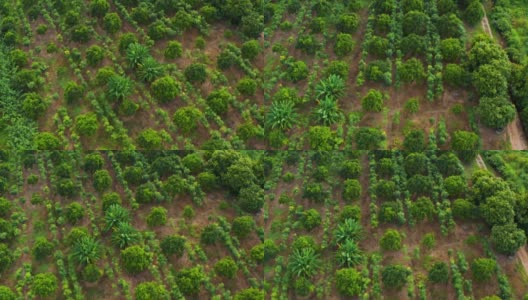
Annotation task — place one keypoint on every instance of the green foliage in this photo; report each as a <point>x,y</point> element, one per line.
<point>348,23</point>
<point>150,69</point>
<point>86,124</point>
<point>311,219</point>
<point>226,267</point>
<point>119,87</point>
<point>344,44</point>
<point>165,89</point>
<point>218,100</point>
<point>373,101</point>
<point>250,294</point>
<point>465,143</point>
<point>136,54</point>
<point>322,138</point>
<point>196,73</point>
<point>149,139</point>
<point>243,226</point>
<point>173,245</point>
<point>6,293</point>
<point>327,111</point>
<point>349,229</point>
<point>94,55</point>
<point>352,190</point>
<point>474,12</point>
<point>439,273</point>
<point>451,49</point>
<point>86,250</point>
<point>391,240</point>
<point>411,71</point>
<point>369,138</point>
<point>422,209</point>
<point>304,263</point>
<point>114,215</point>
<point>412,105</point>
<point>99,8</point>
<point>507,239</point>
<point>174,50</point>
<point>34,106</point>
<point>483,269</point>
<point>250,49</point>
<point>74,212</point>
<point>73,92</point>
<point>247,86</point>
<point>124,235</point>
<point>349,254</point>
<point>47,141</point>
<point>102,180</point>
<point>281,115</point>
<point>333,87</point>
<point>186,118</point>
<point>350,282</point>
<point>297,71</point>
<point>135,259</point>
<point>496,112</point>
<point>112,23</point>
<point>189,280</point>
<point>395,276</point>
<point>42,248</point>
<point>157,216</point>
<point>44,284</point>
<point>151,290</point>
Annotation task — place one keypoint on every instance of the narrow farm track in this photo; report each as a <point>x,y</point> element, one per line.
<point>514,130</point>
<point>522,255</point>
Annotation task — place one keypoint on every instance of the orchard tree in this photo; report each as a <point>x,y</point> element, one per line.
<point>439,273</point>
<point>135,259</point>
<point>415,163</point>
<point>219,100</point>
<point>410,5</point>
<point>369,138</point>
<point>47,141</point>
<point>189,280</point>
<point>164,89</point>
<point>157,216</point>
<point>6,293</point>
<point>173,245</point>
<point>94,55</point>
<point>452,49</point>
<point>378,46</point>
<point>247,86</point>
<point>450,26</point>
<point>186,118</point>
<point>489,81</point>
<point>465,143</point>
<point>196,73</point>
<point>44,284</point>
<point>348,23</point>
<point>73,92</point>
<point>151,290</point>
<point>226,267</point>
<point>86,124</point>
<point>112,23</point>
<point>250,49</point>
<point>34,106</point>
<point>297,71</point>
<point>174,50</point>
<point>497,210</point>
<point>454,75</point>
<point>251,198</point>
<point>496,112</point>
<point>414,140</point>
<point>391,240</point>
<point>74,212</point>
<point>414,22</point>
<point>102,180</point>
<point>344,44</point>
<point>149,139</point>
<point>42,248</point>
<point>99,8</point>
<point>373,101</point>
<point>243,226</point>
<point>339,68</point>
<point>474,12</point>
<point>249,294</point>
<point>422,209</point>
<point>311,219</point>
<point>351,190</point>
<point>455,186</point>
<point>507,239</point>
<point>6,257</point>
<point>395,276</point>
<point>349,282</point>
<point>321,138</point>
<point>411,71</point>
<point>483,269</point>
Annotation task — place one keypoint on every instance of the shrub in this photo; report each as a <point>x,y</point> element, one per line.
<point>196,73</point>
<point>102,180</point>
<point>151,290</point>
<point>94,55</point>
<point>157,216</point>
<point>74,212</point>
<point>439,273</point>
<point>186,118</point>
<point>242,226</point>
<point>483,269</point>
<point>173,245</point>
<point>86,124</point>
<point>112,23</point>
<point>174,50</point>
<point>395,276</point>
<point>352,190</point>
<point>344,44</point>
<point>391,240</point>
<point>135,259</point>
<point>73,92</point>
<point>164,89</point>
<point>349,282</point>
<point>226,267</point>
<point>44,284</point>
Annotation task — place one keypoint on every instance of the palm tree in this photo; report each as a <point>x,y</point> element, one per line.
<point>333,86</point>
<point>136,54</point>
<point>328,111</point>
<point>349,254</point>
<point>348,230</point>
<point>86,251</point>
<point>150,69</point>
<point>304,262</point>
<point>119,87</point>
<point>114,215</point>
<point>282,115</point>
<point>124,235</point>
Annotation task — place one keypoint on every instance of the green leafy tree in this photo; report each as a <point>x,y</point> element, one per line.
<point>304,263</point>
<point>250,294</point>
<point>126,40</point>
<point>465,143</point>
<point>507,239</point>
<point>483,269</point>
<point>6,257</point>
<point>219,100</point>
<point>321,138</point>
<point>149,139</point>
<point>243,226</point>
<point>174,50</point>
<point>99,8</point>
<point>112,23</point>
<point>247,86</point>
<point>186,118</point>
<point>439,273</point>
<point>165,89</point>
<point>102,180</point>
<point>94,55</point>
<point>173,245</point>
<point>369,138</point>
<point>344,44</point>
<point>391,240</point>
<point>297,71</point>
<point>411,71</point>
<point>250,49</point>
<point>91,273</point>
<point>414,22</point>
<point>348,23</point>
<point>196,73</point>
<point>47,141</point>
<point>452,49</point>
<point>474,12</point>
<point>414,140</point>
<point>311,219</point>
<point>34,106</point>
<point>350,282</point>
<point>210,234</point>
<point>73,92</point>
<point>422,209</point>
<point>496,112</point>
<point>373,101</point>
<point>489,81</point>
<point>251,199</point>
<point>86,124</point>
<point>281,115</point>
<point>6,293</point>
<point>74,212</point>
<point>157,216</point>
<point>395,276</point>
<point>339,68</point>
<point>135,259</point>
<point>497,210</point>
<point>151,290</point>
<point>42,248</point>
<point>226,267</point>
<point>456,186</point>
<point>351,190</point>
<point>44,285</point>
<point>189,280</point>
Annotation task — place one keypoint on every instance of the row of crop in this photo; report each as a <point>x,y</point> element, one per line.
<point>373,180</point>
<point>434,57</point>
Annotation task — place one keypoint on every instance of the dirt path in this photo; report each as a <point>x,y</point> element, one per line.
<point>514,130</point>
<point>481,163</point>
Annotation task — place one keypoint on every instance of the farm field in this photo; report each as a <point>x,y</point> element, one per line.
<point>288,74</point>
<point>260,225</point>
